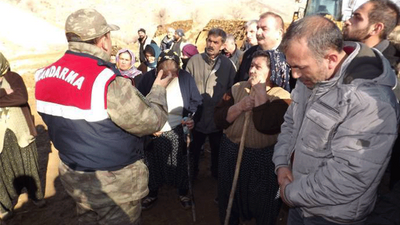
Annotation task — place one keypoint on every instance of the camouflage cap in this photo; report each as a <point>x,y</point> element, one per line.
<point>88,24</point>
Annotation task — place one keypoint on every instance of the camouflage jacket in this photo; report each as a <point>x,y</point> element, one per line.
<point>127,107</point>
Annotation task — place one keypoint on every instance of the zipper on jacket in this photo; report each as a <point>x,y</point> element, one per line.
<point>328,106</point>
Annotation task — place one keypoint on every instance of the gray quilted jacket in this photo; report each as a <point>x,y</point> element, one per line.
<point>341,133</point>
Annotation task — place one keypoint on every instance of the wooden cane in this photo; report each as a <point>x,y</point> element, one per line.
<point>189,173</point>
<point>238,163</point>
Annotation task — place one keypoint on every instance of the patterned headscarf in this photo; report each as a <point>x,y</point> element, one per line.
<point>280,71</point>
<point>132,71</point>
<point>169,55</point>
<point>4,65</point>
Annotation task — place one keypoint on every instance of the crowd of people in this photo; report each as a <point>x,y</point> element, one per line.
<point>320,145</point>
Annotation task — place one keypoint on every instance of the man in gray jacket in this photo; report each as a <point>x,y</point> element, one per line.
<point>213,74</point>
<point>338,132</point>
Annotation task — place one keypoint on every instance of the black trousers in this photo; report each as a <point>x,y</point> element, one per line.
<point>394,164</point>
<point>195,147</point>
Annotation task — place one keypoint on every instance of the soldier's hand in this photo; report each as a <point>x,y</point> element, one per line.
<point>163,79</point>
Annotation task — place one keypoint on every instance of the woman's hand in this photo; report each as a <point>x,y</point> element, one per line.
<point>260,92</point>
<point>189,123</point>
<point>9,90</point>
<point>246,104</point>
<point>157,134</point>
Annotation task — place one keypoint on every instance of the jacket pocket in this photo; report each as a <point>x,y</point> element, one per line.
<point>318,128</point>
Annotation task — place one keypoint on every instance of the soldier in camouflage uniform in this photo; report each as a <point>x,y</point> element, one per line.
<point>95,119</point>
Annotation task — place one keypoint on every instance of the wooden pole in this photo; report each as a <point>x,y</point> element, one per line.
<point>188,168</point>
<point>237,169</point>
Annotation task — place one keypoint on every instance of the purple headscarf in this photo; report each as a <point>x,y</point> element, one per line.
<point>189,50</point>
<point>132,71</point>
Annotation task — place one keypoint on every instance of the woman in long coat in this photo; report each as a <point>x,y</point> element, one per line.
<point>19,166</point>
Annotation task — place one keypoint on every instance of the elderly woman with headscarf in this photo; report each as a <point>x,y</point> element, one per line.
<point>166,155</point>
<point>151,53</point>
<point>187,52</point>
<point>125,60</point>
<point>18,158</point>
<point>264,102</point>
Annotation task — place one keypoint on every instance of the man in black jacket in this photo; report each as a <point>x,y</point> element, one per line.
<point>371,24</point>
<point>269,36</point>
<point>143,41</point>
<point>231,51</point>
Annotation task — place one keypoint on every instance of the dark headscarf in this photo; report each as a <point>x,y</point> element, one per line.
<point>155,51</point>
<point>169,55</point>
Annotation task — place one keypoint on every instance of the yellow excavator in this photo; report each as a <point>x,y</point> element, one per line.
<point>336,10</point>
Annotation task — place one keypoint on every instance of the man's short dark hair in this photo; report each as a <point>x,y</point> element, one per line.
<point>319,32</point>
<point>142,30</point>
<point>386,12</point>
<point>261,53</point>
<point>279,21</point>
<point>217,32</point>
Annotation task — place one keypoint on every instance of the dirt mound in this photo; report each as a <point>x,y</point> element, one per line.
<point>185,25</point>
<point>234,27</point>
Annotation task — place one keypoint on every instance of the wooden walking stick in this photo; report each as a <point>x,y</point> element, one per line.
<point>237,169</point>
<point>187,133</point>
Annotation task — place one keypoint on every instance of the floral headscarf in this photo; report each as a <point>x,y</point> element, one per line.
<point>132,71</point>
<point>279,69</point>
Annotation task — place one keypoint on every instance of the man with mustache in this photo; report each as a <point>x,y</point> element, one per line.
<point>371,24</point>
<point>270,29</point>
<point>213,74</point>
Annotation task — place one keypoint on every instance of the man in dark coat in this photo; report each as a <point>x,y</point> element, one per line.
<point>178,42</point>
<point>213,74</point>
<point>371,24</point>
<point>143,42</point>
<point>270,29</point>
<point>231,51</point>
